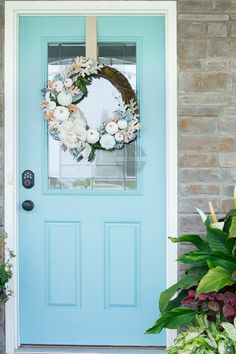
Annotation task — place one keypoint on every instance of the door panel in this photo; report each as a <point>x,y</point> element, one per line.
<point>92,260</point>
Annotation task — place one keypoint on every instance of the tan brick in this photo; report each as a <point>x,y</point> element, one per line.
<point>189,205</point>
<point>228,190</point>
<point>227,6</point>
<point>219,48</point>
<point>230,99</point>
<point>199,98</point>
<point>232,29</point>
<point>206,175</point>
<point>228,125</point>
<point>199,110</point>
<point>218,29</point>
<point>233,65</point>
<point>192,48</point>
<point>217,66</point>
<point>198,160</point>
<point>205,189</point>
<point>199,6</point>
<point>207,144</point>
<point>226,205</point>
<point>191,29</point>
<point>198,126</point>
<point>191,64</point>
<point>202,17</point>
<point>230,111</point>
<point>228,159</point>
<point>191,224</point>
<point>204,82</point>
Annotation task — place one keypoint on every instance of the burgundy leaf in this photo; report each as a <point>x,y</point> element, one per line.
<point>214,306</point>
<point>228,310</point>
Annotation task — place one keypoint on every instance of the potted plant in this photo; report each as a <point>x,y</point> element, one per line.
<point>204,298</point>
<point>6,269</point>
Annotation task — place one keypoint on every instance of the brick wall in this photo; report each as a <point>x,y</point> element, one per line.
<point>207,110</point>
<point>207,107</point>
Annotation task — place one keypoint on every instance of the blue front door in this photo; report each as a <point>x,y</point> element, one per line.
<point>92,251</point>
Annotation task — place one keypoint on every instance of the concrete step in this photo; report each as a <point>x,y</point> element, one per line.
<point>90,350</point>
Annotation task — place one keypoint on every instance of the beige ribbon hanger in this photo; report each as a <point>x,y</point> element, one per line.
<point>91,38</point>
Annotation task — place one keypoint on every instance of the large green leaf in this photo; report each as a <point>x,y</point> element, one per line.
<point>198,270</point>
<point>215,279</point>
<point>220,259</point>
<point>218,241</point>
<point>232,229</point>
<point>232,212</point>
<point>173,319</point>
<point>230,330</point>
<point>196,240</point>
<point>176,302</point>
<point>193,257</point>
<point>186,282</point>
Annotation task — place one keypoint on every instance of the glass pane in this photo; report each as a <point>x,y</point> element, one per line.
<point>115,170</point>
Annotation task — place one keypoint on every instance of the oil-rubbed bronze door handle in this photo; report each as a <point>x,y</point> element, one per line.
<point>28,205</point>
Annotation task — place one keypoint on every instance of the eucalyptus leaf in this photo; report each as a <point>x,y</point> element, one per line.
<point>215,279</point>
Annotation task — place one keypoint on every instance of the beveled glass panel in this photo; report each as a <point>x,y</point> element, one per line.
<point>115,170</point>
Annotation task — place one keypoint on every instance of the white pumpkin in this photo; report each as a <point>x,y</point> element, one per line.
<point>122,124</point>
<point>92,136</point>
<point>111,128</point>
<point>64,98</point>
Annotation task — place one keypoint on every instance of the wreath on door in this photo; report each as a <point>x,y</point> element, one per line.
<point>68,124</point>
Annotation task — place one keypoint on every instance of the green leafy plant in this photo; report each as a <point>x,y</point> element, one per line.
<point>205,337</point>
<point>211,268</point>
<point>6,270</point>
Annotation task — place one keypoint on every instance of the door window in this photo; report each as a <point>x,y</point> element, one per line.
<point>115,170</point>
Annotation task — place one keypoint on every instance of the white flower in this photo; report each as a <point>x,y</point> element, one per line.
<point>92,136</point>
<point>48,96</point>
<point>64,98</point>
<point>53,125</point>
<point>68,82</point>
<point>51,106</point>
<point>79,130</point>
<point>79,115</point>
<point>122,124</point>
<point>72,134</point>
<point>58,86</point>
<point>66,126</point>
<point>107,142</point>
<point>61,113</point>
<point>68,139</point>
<point>111,128</point>
<point>119,137</point>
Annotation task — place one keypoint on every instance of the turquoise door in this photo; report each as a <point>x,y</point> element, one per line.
<point>92,251</point>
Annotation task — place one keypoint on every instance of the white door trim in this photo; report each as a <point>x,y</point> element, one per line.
<point>13,9</point>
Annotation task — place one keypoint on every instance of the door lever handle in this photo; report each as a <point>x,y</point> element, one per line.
<point>28,205</point>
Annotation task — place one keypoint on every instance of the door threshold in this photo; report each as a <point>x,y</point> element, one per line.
<point>27,349</point>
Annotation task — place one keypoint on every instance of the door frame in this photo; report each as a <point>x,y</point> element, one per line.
<point>13,9</point>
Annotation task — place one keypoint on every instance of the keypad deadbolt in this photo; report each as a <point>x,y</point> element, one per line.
<point>28,179</point>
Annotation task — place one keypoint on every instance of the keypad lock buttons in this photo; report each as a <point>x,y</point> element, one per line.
<point>28,179</point>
